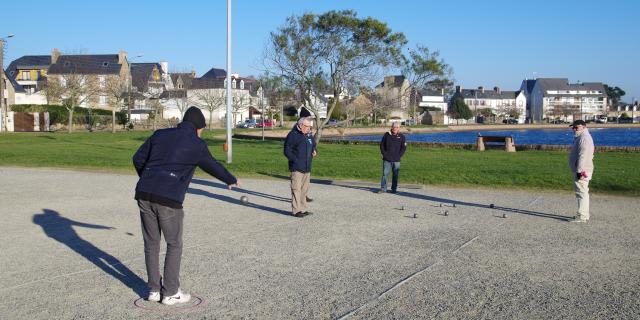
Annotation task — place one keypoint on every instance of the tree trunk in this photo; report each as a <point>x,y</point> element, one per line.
<point>210,119</point>
<point>113,120</point>
<point>70,127</point>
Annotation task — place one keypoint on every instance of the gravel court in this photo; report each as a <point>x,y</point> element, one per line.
<point>255,262</point>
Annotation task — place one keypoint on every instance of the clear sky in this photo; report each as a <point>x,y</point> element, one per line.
<point>487,43</point>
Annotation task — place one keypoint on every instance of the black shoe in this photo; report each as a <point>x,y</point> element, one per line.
<point>394,191</point>
<point>299,214</point>
<point>307,213</point>
<point>309,199</point>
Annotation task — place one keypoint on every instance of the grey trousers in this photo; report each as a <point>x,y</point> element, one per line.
<point>299,191</point>
<point>156,220</point>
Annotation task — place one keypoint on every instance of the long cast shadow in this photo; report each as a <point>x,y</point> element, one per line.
<point>480,205</point>
<point>239,189</point>
<point>61,229</point>
<point>236,201</point>
<point>435,199</point>
<point>323,182</point>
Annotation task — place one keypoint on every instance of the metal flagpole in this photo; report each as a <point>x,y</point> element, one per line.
<point>229,123</point>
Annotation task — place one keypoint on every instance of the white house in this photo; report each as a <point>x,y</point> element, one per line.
<point>556,98</point>
<point>503,104</point>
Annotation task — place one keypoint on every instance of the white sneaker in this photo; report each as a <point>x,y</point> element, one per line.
<point>154,296</point>
<point>179,297</point>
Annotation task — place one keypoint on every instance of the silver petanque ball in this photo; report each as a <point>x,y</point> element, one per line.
<point>244,199</point>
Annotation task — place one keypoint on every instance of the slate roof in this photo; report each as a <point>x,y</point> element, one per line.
<point>488,94</point>
<point>86,64</point>
<point>16,87</point>
<point>214,73</point>
<point>27,62</point>
<point>168,94</point>
<point>563,84</point>
<point>141,74</point>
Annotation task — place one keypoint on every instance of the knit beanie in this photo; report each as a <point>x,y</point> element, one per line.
<point>195,116</point>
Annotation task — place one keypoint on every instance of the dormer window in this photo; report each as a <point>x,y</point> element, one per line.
<point>67,63</point>
<point>105,64</point>
<point>242,84</point>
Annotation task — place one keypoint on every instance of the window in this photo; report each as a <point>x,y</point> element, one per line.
<point>63,81</point>
<point>38,75</point>
<point>102,80</point>
<point>233,84</point>
<point>242,84</point>
<point>103,99</point>
<point>26,75</point>
<point>105,64</point>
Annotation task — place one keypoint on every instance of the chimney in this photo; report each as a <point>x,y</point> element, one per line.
<point>55,54</point>
<point>458,89</point>
<point>193,73</point>
<point>496,89</point>
<point>481,89</point>
<point>164,65</point>
<point>122,57</point>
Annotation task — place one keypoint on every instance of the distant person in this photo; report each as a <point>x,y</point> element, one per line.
<point>165,164</point>
<point>581,164</point>
<point>300,148</point>
<point>392,147</point>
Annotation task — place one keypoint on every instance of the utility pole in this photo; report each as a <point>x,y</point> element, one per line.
<point>4,108</point>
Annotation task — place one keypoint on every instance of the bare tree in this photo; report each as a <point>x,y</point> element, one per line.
<point>210,99</point>
<point>116,89</point>
<point>73,90</point>
<point>241,103</point>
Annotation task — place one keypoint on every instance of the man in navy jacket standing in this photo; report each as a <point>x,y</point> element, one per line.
<point>300,148</point>
<point>392,147</point>
<point>165,164</point>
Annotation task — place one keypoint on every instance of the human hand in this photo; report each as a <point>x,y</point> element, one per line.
<point>314,153</point>
<point>237,184</point>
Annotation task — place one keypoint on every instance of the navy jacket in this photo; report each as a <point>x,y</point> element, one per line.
<point>166,161</point>
<point>298,148</point>
<point>393,147</point>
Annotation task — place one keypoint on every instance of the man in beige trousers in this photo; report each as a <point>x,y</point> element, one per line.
<point>300,148</point>
<point>581,164</point>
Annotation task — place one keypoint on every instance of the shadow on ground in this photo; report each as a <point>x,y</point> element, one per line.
<point>61,229</point>
<point>449,202</point>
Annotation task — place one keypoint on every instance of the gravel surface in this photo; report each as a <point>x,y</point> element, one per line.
<point>72,249</point>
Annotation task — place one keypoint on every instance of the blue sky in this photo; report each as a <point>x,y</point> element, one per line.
<point>487,43</point>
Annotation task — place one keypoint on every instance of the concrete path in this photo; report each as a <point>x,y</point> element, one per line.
<point>71,248</point>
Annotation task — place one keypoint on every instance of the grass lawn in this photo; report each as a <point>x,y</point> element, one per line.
<point>616,172</point>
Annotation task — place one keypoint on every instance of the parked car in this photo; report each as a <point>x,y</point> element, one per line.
<point>332,123</point>
<point>266,123</point>
<point>601,119</point>
<point>409,122</point>
<point>510,121</point>
<point>248,123</point>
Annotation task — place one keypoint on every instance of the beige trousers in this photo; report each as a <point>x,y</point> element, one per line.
<point>299,191</point>
<point>581,187</point>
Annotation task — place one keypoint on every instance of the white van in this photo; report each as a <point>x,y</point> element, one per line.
<point>601,119</point>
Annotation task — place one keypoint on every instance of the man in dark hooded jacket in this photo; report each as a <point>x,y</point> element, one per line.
<point>165,164</point>
<point>300,148</point>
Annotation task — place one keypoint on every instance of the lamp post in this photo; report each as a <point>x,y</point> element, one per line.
<point>3,106</point>
<point>229,124</point>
